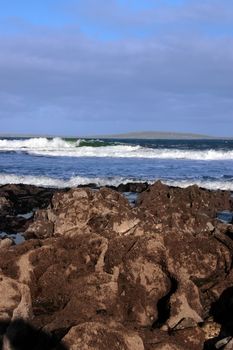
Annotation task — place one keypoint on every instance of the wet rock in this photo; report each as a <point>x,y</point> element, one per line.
<point>13,224</point>
<point>26,197</point>
<point>135,187</point>
<point>6,206</point>
<point>20,199</point>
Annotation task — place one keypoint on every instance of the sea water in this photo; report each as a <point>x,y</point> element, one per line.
<point>62,163</point>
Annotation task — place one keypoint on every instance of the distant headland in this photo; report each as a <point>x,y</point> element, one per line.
<point>160,135</point>
<point>147,135</point>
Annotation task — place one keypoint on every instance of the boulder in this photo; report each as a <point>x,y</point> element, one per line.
<point>105,212</point>
<point>99,336</point>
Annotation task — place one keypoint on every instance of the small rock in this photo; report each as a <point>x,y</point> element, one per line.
<point>5,243</point>
<point>222,342</point>
<point>210,226</point>
<point>211,329</point>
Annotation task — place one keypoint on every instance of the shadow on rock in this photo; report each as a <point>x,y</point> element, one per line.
<point>20,335</point>
<point>222,312</point>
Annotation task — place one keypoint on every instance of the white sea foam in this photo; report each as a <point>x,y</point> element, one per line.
<point>45,181</point>
<point>58,147</point>
<point>113,181</point>
<point>211,185</point>
<point>40,143</point>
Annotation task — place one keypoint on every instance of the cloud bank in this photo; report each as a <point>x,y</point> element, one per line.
<point>118,67</point>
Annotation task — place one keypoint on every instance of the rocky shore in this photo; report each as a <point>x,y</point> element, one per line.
<point>96,272</point>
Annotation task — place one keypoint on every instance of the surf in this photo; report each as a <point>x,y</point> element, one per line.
<point>58,147</point>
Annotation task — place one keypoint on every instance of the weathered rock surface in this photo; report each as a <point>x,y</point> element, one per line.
<point>191,209</point>
<point>100,336</point>
<point>99,274</point>
<point>71,213</point>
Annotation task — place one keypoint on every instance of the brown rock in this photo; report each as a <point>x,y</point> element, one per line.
<point>5,243</point>
<point>15,299</point>
<point>99,336</point>
<point>83,210</point>
<point>104,275</point>
<point>190,209</point>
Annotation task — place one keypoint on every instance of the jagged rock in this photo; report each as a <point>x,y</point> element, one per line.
<point>189,209</point>
<point>12,224</point>
<point>190,338</point>
<point>26,197</point>
<point>136,187</point>
<point>6,206</point>
<point>197,264</point>
<point>143,279</point>
<point>99,336</point>
<point>15,299</point>
<point>20,199</point>
<point>104,275</point>
<point>192,199</point>
<point>105,212</point>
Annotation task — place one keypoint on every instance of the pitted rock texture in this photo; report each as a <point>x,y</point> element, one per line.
<point>84,210</point>
<point>100,336</point>
<point>191,209</point>
<point>99,274</point>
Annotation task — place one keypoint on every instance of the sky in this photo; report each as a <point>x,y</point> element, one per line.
<point>86,67</point>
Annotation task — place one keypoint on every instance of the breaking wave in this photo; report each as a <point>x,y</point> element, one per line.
<point>210,185</point>
<point>58,147</point>
<point>45,181</point>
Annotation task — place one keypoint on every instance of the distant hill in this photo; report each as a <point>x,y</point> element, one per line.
<point>158,135</point>
<point>131,135</point>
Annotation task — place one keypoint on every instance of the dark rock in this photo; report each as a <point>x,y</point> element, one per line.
<point>25,198</point>
<point>222,310</point>
<point>20,335</point>
<point>20,199</point>
<point>136,187</point>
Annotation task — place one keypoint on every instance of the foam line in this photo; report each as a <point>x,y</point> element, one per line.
<point>58,147</point>
<point>114,181</point>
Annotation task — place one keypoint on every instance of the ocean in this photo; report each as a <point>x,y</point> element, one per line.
<point>63,163</point>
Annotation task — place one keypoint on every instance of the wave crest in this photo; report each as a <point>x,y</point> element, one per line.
<point>58,147</point>
<point>45,181</point>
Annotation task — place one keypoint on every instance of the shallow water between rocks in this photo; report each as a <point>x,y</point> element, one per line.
<point>17,238</point>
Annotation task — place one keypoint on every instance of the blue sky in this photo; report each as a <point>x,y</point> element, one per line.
<point>80,67</point>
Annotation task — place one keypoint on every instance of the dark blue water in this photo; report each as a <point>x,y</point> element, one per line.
<point>59,163</point>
